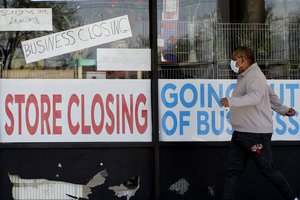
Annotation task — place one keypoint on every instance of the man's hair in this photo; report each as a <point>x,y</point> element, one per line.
<point>245,52</point>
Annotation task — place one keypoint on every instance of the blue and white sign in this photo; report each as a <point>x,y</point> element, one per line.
<point>189,110</point>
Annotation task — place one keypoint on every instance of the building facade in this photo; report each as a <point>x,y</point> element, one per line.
<point>119,99</point>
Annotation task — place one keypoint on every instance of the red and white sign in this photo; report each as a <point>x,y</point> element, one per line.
<point>75,111</point>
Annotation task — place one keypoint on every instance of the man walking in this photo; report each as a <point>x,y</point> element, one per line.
<point>251,107</point>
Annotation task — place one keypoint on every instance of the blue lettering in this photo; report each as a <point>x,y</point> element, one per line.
<point>202,95</point>
<point>164,119</point>
<point>230,89</point>
<point>182,121</point>
<point>182,99</point>
<point>292,87</point>
<point>220,121</point>
<point>229,131</point>
<point>281,91</point>
<point>173,96</point>
<point>283,125</point>
<point>213,93</point>
<point>202,118</point>
<point>296,125</point>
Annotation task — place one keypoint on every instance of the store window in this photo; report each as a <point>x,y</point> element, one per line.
<point>195,42</point>
<point>185,38</point>
<point>283,8</point>
<point>74,39</point>
<point>270,28</point>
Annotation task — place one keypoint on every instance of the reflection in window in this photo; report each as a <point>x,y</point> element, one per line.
<point>185,33</point>
<point>197,42</point>
<point>69,15</point>
<point>283,8</point>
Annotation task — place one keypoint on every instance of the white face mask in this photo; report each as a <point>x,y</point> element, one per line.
<point>234,67</point>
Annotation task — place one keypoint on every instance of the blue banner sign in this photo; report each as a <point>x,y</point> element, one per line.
<point>189,110</point>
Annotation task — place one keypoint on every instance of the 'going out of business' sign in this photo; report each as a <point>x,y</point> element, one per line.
<point>189,110</point>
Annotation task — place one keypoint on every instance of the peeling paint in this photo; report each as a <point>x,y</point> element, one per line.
<point>43,189</point>
<point>128,188</point>
<point>98,179</point>
<point>211,191</point>
<point>181,186</point>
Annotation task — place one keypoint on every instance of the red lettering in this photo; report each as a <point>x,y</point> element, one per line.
<point>45,113</point>
<point>113,114</point>
<point>32,100</point>
<point>73,128</point>
<point>118,113</point>
<point>110,128</point>
<point>86,129</point>
<point>97,100</point>
<point>56,114</point>
<point>9,129</point>
<point>19,99</point>
<point>126,114</point>
<point>141,128</point>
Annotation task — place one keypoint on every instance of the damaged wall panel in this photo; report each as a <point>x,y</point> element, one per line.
<point>40,189</point>
<point>128,188</point>
<point>181,186</point>
<point>65,174</point>
<point>191,171</point>
<point>187,172</point>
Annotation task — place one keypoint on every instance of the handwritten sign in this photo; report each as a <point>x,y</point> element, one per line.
<point>26,19</point>
<point>76,39</point>
<point>124,59</point>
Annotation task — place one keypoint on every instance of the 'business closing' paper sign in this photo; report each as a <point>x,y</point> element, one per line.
<point>76,39</point>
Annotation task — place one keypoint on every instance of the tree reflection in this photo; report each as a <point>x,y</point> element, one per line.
<point>64,17</point>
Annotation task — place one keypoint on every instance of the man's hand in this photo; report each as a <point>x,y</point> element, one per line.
<point>291,112</point>
<point>224,102</point>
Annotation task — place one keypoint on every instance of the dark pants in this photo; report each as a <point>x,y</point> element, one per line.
<point>258,147</point>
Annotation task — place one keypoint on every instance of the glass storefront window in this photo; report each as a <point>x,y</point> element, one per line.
<point>70,18</point>
<point>185,34</point>
<point>282,8</point>
<point>196,38</point>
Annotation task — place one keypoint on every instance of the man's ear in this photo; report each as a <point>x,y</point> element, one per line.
<point>243,59</point>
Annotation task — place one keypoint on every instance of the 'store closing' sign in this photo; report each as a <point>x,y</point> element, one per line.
<point>76,39</point>
<point>75,111</point>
